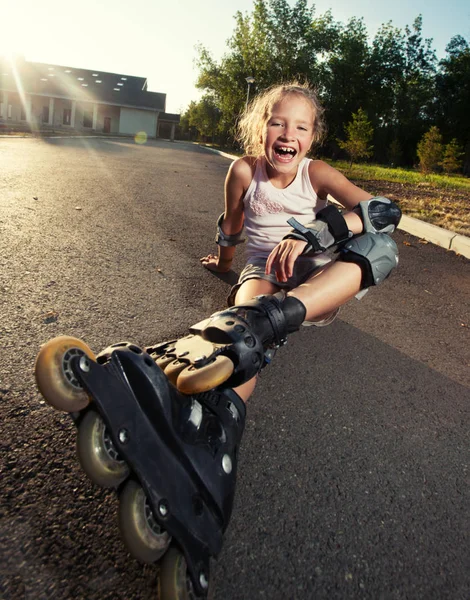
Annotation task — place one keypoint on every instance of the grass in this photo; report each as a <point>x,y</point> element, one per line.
<point>371,172</point>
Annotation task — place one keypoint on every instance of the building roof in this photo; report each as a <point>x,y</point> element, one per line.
<point>169,117</point>
<point>78,84</point>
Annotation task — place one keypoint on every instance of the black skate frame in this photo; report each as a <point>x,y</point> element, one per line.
<point>132,400</point>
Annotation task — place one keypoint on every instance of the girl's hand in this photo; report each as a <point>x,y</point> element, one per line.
<point>283,257</point>
<point>213,263</point>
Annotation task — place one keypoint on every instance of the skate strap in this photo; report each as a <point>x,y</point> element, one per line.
<point>237,402</point>
<point>225,402</point>
<point>272,309</point>
<point>337,225</point>
<point>301,232</point>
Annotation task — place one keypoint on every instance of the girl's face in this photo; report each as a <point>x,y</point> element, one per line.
<point>289,133</point>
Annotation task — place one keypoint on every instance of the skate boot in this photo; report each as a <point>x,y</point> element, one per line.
<point>231,346</point>
<point>171,457</point>
<point>168,441</point>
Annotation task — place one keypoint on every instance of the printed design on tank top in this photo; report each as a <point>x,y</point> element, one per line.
<point>261,204</point>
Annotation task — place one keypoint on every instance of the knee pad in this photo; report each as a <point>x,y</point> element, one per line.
<point>375,253</point>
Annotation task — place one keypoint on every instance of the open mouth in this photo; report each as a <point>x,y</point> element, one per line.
<point>285,153</point>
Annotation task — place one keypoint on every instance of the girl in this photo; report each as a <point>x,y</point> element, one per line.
<point>272,183</point>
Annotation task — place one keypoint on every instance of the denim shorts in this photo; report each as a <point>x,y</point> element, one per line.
<point>304,268</point>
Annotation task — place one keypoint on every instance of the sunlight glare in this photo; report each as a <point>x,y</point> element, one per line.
<point>140,137</point>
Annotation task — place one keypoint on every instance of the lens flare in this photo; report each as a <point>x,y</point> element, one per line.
<point>140,137</point>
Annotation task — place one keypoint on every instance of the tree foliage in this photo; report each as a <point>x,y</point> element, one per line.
<point>203,116</point>
<point>395,78</point>
<point>359,135</point>
<point>452,113</point>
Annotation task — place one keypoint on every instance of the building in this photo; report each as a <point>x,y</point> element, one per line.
<point>40,97</point>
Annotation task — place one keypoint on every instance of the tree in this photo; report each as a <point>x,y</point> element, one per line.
<point>395,155</point>
<point>415,90</point>
<point>292,47</point>
<point>359,135</point>
<point>430,151</point>
<point>204,116</point>
<point>452,95</point>
<point>385,74</point>
<point>344,75</point>
<point>452,159</point>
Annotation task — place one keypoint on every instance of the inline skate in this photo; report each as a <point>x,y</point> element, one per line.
<point>162,425</point>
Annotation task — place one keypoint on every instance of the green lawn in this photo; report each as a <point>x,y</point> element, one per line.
<point>398,175</point>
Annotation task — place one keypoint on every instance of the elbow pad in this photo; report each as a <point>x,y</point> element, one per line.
<point>378,215</point>
<point>222,239</point>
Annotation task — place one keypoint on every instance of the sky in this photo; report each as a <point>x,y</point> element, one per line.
<point>157,39</point>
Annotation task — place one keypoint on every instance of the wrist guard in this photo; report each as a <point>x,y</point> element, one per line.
<point>328,229</point>
<point>222,239</point>
<point>378,215</point>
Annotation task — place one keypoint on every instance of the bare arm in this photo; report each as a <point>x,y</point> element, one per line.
<point>236,183</point>
<point>328,181</point>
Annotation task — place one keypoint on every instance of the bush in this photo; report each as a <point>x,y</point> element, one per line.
<point>430,151</point>
<point>452,160</point>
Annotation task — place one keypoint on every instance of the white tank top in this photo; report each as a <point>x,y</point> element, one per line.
<point>267,208</point>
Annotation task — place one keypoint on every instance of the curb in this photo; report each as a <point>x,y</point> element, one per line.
<point>460,244</point>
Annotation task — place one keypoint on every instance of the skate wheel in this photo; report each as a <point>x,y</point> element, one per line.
<point>163,361</point>
<point>194,380</point>
<point>54,375</point>
<point>97,454</point>
<point>173,369</point>
<point>174,582</point>
<point>143,536</point>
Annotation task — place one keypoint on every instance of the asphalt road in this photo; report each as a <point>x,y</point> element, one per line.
<point>353,475</point>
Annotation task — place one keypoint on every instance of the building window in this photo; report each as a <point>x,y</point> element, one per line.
<point>45,114</point>
<point>1,110</point>
<point>23,114</point>
<point>67,116</point>
<point>87,119</point>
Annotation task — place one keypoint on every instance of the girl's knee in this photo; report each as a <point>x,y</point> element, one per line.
<point>254,287</point>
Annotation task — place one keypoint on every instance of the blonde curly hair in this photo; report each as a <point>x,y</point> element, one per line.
<point>252,123</point>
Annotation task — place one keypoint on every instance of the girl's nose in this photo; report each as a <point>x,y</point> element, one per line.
<point>288,132</point>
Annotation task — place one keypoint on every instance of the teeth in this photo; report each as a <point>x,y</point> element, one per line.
<point>285,150</point>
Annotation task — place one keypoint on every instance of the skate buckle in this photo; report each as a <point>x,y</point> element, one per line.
<point>201,361</point>
<point>203,581</point>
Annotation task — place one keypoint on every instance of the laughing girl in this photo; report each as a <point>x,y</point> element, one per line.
<point>280,197</point>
